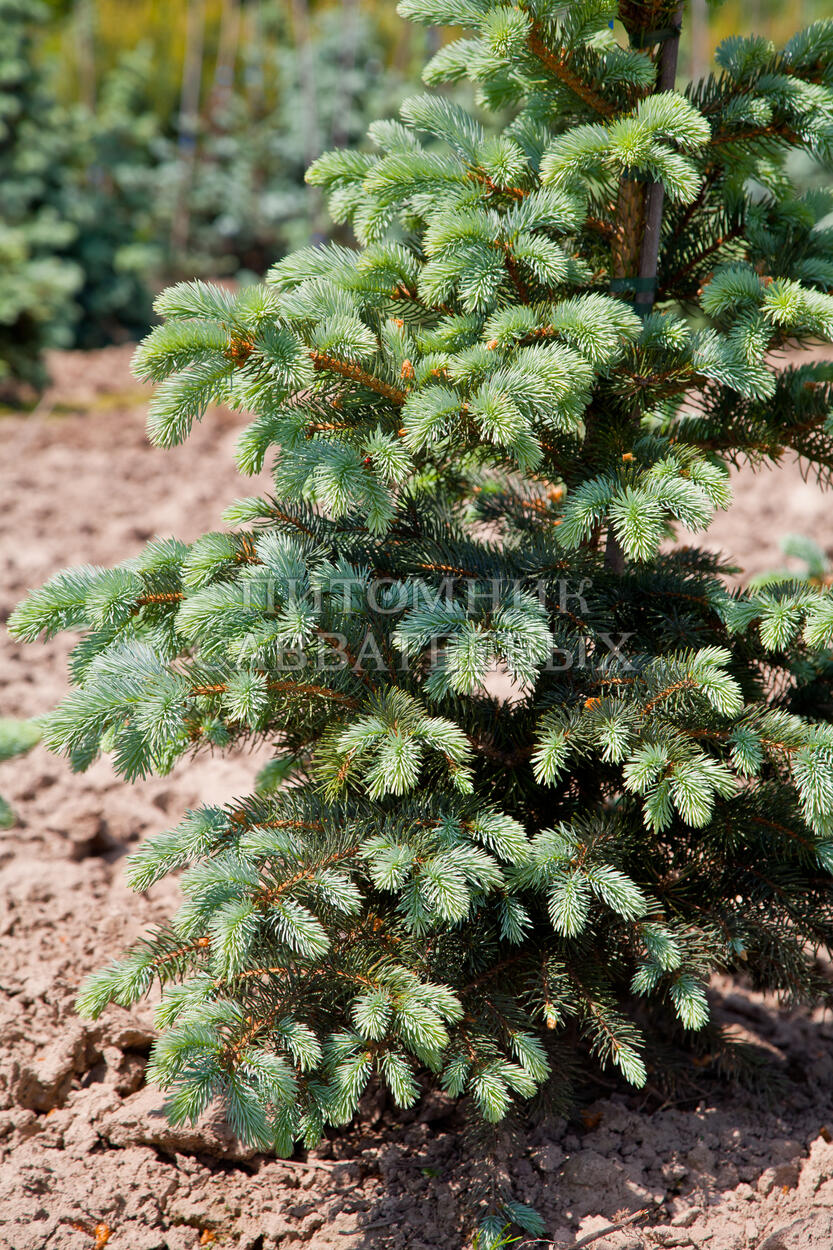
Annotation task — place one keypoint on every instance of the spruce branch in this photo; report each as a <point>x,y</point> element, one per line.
<point>297,689</point>
<point>346,369</point>
<point>557,61</point>
<point>514,274</point>
<point>776,131</point>
<point>686,683</point>
<point>161,596</point>
<point>671,286</point>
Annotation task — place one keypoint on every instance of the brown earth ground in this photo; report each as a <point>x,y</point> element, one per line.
<point>87,1157</point>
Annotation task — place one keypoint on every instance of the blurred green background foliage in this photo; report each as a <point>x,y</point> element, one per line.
<point>143,141</point>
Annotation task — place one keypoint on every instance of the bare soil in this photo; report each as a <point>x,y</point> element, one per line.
<point>88,1159</point>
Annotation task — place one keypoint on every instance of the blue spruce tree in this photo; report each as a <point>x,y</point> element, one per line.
<point>488,422</point>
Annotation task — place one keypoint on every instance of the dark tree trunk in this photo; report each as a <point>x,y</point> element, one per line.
<point>639,224</point>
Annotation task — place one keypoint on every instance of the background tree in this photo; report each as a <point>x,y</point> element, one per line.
<point>36,282</point>
<point>110,171</point>
<point>245,202</point>
<point>71,215</point>
<point>488,423</point>
<point>119,188</point>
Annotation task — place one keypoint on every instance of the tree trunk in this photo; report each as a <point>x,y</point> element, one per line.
<point>312,123</point>
<point>189,117</point>
<point>226,56</point>
<point>85,52</point>
<point>655,194</point>
<point>699,39</point>
<point>254,59</point>
<point>639,222</point>
<point>349,20</point>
